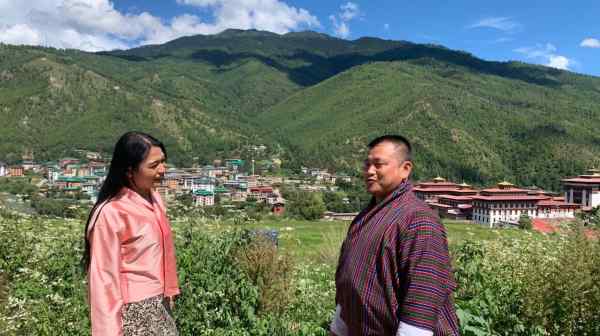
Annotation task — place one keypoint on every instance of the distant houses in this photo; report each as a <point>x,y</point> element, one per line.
<point>225,181</point>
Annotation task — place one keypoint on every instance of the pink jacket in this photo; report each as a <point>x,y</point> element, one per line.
<point>132,257</point>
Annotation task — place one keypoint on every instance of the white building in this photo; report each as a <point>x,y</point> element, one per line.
<point>204,198</point>
<point>3,169</point>
<point>583,189</point>
<point>506,204</point>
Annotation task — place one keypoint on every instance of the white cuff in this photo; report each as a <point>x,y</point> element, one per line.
<point>338,326</point>
<point>405,329</point>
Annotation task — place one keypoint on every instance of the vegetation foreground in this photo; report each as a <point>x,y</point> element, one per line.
<point>235,281</point>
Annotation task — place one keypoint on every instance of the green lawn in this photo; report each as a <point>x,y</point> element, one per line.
<point>321,240</point>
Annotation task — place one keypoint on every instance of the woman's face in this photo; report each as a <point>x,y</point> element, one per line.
<point>150,171</point>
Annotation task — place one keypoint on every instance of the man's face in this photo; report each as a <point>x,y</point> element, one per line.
<point>384,170</point>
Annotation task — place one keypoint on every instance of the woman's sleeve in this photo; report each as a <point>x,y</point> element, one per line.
<point>106,300</point>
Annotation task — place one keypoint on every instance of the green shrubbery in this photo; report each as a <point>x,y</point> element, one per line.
<point>536,285</point>
<point>233,283</point>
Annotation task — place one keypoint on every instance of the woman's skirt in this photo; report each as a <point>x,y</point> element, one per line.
<point>149,317</point>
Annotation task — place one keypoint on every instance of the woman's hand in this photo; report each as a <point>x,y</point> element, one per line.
<point>170,302</point>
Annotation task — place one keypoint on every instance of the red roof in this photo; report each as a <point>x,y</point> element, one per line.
<point>437,189</point>
<point>509,198</point>
<point>466,191</point>
<point>591,180</point>
<point>504,191</point>
<point>438,205</point>
<point>261,189</point>
<point>456,198</point>
<point>437,184</point>
<point>547,203</point>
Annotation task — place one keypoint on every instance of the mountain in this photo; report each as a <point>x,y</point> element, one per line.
<point>312,98</point>
<point>464,124</point>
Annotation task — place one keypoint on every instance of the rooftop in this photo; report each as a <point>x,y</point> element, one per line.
<point>508,198</point>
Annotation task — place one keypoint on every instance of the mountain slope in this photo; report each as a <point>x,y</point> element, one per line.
<point>317,98</point>
<point>464,124</point>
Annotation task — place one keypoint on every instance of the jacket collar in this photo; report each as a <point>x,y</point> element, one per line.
<point>399,192</point>
<point>132,196</point>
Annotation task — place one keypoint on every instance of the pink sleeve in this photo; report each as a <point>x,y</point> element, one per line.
<point>104,276</point>
<point>171,282</point>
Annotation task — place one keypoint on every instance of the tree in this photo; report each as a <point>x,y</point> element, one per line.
<point>306,205</point>
<point>334,201</point>
<point>525,222</point>
<point>591,218</point>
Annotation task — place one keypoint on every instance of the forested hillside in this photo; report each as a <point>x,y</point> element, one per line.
<point>320,98</point>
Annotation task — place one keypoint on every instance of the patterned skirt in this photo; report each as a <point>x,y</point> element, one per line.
<point>149,317</point>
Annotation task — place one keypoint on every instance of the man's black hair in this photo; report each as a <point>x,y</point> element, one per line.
<point>401,143</point>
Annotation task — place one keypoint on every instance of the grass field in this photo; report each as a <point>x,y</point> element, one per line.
<point>320,240</point>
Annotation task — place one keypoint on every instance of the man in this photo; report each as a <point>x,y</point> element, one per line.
<point>394,275</point>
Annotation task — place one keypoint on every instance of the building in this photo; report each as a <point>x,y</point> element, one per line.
<point>16,171</point>
<point>234,164</point>
<point>556,208</point>
<point>583,189</point>
<point>66,161</point>
<point>278,207</point>
<point>262,193</point>
<point>453,207</point>
<point>194,183</point>
<point>53,172</point>
<point>429,191</point>
<point>203,198</point>
<point>505,204</point>
<point>70,183</point>
<point>343,216</point>
<point>3,169</point>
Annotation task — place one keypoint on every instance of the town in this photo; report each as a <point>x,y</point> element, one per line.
<point>222,182</point>
<point>225,182</point>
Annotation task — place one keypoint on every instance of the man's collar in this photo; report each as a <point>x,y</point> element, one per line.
<point>399,191</point>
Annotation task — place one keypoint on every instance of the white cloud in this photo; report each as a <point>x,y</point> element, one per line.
<point>349,11</point>
<point>340,21</point>
<point>340,28</point>
<point>20,34</point>
<point>560,62</point>
<point>505,24</point>
<point>271,15</point>
<point>590,43</point>
<point>95,25</point>
<point>547,54</point>
<point>386,26</point>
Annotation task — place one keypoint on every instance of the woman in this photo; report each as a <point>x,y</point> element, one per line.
<point>129,254</point>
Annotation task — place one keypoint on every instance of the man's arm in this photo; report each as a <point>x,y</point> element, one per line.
<point>338,327</point>
<point>426,273</point>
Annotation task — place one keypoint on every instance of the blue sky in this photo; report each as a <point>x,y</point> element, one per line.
<point>556,33</point>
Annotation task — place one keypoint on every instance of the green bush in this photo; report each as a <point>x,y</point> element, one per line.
<point>227,288</point>
<point>270,271</point>
<point>525,222</point>
<point>536,285</point>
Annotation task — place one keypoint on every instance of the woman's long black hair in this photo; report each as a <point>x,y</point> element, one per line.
<point>131,149</point>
